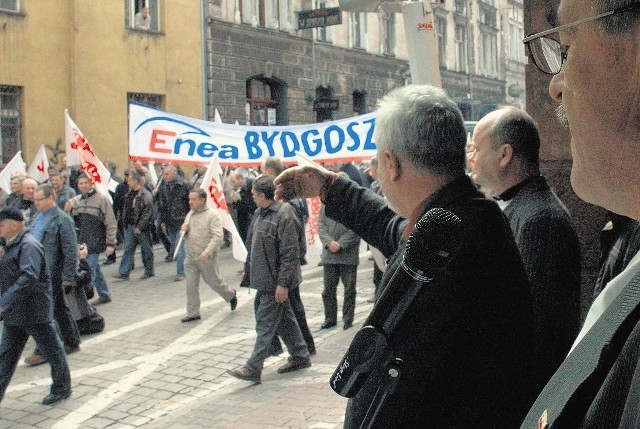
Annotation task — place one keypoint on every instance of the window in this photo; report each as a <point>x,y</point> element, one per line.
<point>10,122</point>
<point>323,34</point>
<point>461,49</point>
<point>358,29</point>
<point>516,34</point>
<point>488,53</point>
<point>441,35</point>
<point>323,93</point>
<point>387,32</point>
<point>266,98</point>
<point>487,14</point>
<point>274,14</point>
<point>10,5</point>
<point>359,102</point>
<point>135,11</point>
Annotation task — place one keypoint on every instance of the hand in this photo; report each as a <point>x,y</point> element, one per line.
<point>83,253</point>
<point>110,250</point>
<point>137,231</point>
<point>334,246</point>
<point>185,227</point>
<point>203,257</point>
<point>163,227</point>
<point>282,294</point>
<point>301,182</point>
<point>68,206</point>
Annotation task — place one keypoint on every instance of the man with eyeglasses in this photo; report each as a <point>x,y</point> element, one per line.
<point>594,56</point>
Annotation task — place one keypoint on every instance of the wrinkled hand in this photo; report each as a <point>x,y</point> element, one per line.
<point>203,257</point>
<point>282,294</point>
<point>300,182</point>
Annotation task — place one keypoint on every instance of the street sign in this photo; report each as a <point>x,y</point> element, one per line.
<point>326,104</point>
<point>319,18</point>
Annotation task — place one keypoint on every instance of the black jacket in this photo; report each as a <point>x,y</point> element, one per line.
<point>173,202</point>
<point>466,339</point>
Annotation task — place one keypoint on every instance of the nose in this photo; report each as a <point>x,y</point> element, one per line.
<point>556,86</point>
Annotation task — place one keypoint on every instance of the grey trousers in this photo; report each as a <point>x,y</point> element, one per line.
<point>333,273</point>
<point>272,318</point>
<point>193,269</point>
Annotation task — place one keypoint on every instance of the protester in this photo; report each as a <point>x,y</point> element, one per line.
<point>465,341</point>
<point>593,56</point>
<point>26,306</point>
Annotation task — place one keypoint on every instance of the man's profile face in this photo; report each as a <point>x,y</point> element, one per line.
<point>56,182</point>
<point>599,88</point>
<point>8,228</point>
<point>16,186</point>
<point>195,202</point>
<point>485,160</point>
<point>169,174</point>
<point>43,203</point>
<point>84,185</point>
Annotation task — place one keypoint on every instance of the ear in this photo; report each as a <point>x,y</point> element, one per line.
<point>394,165</point>
<point>505,152</point>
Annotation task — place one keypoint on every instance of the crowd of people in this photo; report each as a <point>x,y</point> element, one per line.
<point>494,337</point>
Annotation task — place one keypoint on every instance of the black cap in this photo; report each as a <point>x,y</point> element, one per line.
<point>11,213</point>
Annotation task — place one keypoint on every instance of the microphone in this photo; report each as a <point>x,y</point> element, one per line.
<point>434,241</point>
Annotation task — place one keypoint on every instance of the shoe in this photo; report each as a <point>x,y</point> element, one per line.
<point>347,325</point>
<point>54,398</point>
<point>101,300</point>
<point>234,301</point>
<point>109,262</point>
<point>179,278</point>
<point>190,319</point>
<point>146,276</point>
<point>35,360</point>
<point>294,364</point>
<point>168,258</point>
<point>71,349</point>
<point>244,374</point>
<point>120,276</point>
<point>312,350</point>
<point>327,324</point>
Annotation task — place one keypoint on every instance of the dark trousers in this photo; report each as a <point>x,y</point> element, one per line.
<point>12,344</point>
<point>298,310</point>
<point>69,331</point>
<point>333,273</point>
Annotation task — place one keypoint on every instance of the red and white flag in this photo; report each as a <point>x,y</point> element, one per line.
<point>14,167</point>
<point>39,168</point>
<point>78,148</point>
<point>212,184</point>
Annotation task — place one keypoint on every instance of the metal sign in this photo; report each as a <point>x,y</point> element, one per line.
<point>319,18</point>
<point>326,104</point>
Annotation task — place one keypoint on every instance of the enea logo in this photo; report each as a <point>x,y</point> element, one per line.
<point>425,25</point>
<point>173,136</point>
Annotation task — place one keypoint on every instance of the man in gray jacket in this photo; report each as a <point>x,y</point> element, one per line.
<point>274,261</point>
<point>203,229</point>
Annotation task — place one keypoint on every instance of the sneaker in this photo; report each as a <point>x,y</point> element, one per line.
<point>234,301</point>
<point>101,300</point>
<point>35,360</point>
<point>294,364</point>
<point>189,319</point>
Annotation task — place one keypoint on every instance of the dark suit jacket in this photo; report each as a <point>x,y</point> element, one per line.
<point>550,252</point>
<point>465,340</point>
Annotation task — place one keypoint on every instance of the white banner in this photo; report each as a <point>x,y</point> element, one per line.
<point>39,168</point>
<point>13,168</point>
<point>166,137</point>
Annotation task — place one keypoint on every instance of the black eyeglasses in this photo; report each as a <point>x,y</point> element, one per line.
<point>548,54</point>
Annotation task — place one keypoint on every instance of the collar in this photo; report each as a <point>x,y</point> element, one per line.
<point>88,194</point>
<point>510,193</point>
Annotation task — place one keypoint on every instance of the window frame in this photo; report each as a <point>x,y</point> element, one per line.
<point>13,113</point>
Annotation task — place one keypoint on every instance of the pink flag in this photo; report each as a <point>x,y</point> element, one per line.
<point>89,163</point>
<point>212,184</point>
<point>39,168</point>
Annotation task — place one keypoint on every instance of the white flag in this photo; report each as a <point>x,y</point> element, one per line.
<point>152,172</point>
<point>73,138</point>
<point>212,184</point>
<point>216,117</point>
<point>88,160</point>
<point>39,168</point>
<point>14,167</point>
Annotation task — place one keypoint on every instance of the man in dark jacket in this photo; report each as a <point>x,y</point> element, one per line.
<point>173,204</point>
<point>26,305</point>
<point>137,218</point>
<point>505,159</point>
<point>242,201</point>
<point>465,339</point>
<point>55,230</point>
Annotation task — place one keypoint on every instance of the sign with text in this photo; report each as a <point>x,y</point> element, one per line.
<point>319,18</point>
<point>167,137</point>
<point>326,104</point>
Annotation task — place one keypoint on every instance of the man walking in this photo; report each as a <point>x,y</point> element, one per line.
<point>96,227</point>
<point>274,260</point>
<point>137,218</point>
<point>55,230</point>
<point>203,229</point>
<point>26,305</point>
<point>505,159</point>
<point>173,204</point>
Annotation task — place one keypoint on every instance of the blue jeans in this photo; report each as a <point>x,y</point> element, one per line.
<point>93,259</point>
<point>12,344</point>
<point>174,236</point>
<point>131,241</point>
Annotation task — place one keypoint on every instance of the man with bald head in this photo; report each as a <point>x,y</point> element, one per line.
<point>28,208</point>
<point>505,153</point>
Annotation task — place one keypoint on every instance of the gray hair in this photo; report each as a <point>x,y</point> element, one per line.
<point>424,128</point>
<point>619,23</point>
